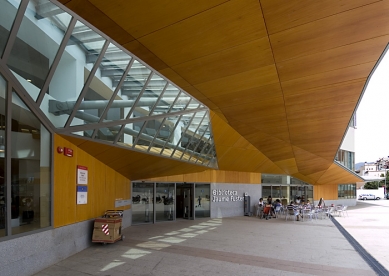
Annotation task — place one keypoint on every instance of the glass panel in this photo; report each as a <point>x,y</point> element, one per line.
<point>164,202</point>
<point>30,170</point>
<point>102,87</point>
<point>142,199</point>
<point>81,52</point>
<point>202,196</point>
<point>3,198</point>
<point>150,96</point>
<point>36,45</point>
<point>164,105</point>
<point>7,16</point>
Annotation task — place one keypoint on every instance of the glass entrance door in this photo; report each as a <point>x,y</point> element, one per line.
<point>184,201</point>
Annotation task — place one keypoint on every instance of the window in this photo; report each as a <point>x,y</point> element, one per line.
<point>347,191</point>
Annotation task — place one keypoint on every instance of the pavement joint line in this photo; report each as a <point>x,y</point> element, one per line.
<point>370,260</point>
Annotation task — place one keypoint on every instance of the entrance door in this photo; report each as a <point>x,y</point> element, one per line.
<point>184,202</point>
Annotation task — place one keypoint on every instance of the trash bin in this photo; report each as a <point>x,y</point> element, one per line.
<point>108,228</point>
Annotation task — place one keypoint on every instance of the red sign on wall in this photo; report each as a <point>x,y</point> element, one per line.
<point>68,152</point>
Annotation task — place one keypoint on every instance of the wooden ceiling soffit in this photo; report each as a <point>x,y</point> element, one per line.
<point>145,55</point>
<point>341,57</point>
<point>325,96</point>
<point>200,35</point>
<point>240,159</point>
<point>174,77</point>
<point>169,170</point>
<point>234,60</point>
<point>250,95</point>
<point>288,165</point>
<point>97,18</point>
<point>357,72</point>
<point>361,24</point>
<point>275,149</point>
<point>338,175</point>
<point>309,163</point>
<point>304,178</point>
<point>266,108</point>
<point>223,133</point>
<point>140,18</point>
<point>269,167</point>
<point>322,113</point>
<point>280,15</point>
<point>220,114</point>
<point>239,82</point>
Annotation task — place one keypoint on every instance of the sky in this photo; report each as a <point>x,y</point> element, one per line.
<point>372,133</point>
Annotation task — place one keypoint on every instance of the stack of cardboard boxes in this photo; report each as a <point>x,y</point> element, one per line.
<point>108,229</point>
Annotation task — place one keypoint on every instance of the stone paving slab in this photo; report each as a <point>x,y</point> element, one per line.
<point>368,223</point>
<point>228,246</point>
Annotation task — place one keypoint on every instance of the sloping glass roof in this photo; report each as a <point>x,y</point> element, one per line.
<point>89,86</point>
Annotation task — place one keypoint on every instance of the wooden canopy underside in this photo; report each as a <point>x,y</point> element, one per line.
<point>282,78</point>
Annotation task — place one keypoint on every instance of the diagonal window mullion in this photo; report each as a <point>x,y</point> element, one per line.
<point>56,60</point>
<point>96,119</point>
<point>192,136</point>
<point>179,141</point>
<point>200,140</point>
<point>159,98</point>
<point>114,95</point>
<point>156,134</point>
<point>139,134</point>
<point>178,121</point>
<point>14,29</point>
<point>87,83</point>
<point>203,149</point>
<point>133,106</point>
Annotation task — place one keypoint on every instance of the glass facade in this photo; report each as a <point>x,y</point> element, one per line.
<point>346,158</point>
<point>202,200</point>
<point>285,188</point>
<point>25,166</point>
<point>88,86</point>
<point>142,203</point>
<point>347,191</point>
<point>158,202</point>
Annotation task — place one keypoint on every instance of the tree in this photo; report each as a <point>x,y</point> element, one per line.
<point>371,185</point>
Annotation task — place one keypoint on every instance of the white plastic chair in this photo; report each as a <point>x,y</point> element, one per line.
<point>342,210</point>
<point>277,211</point>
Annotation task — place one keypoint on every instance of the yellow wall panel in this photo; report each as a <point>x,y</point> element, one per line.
<point>64,186</point>
<point>327,192</point>
<point>104,186</point>
<point>214,176</point>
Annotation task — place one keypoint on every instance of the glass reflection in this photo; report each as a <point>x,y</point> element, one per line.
<point>36,45</point>
<point>142,203</point>
<point>202,201</point>
<point>164,201</point>
<point>7,16</point>
<point>30,170</point>
<point>3,198</point>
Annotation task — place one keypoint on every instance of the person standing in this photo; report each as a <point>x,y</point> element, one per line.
<point>199,200</point>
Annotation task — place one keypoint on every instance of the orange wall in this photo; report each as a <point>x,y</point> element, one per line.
<point>213,176</point>
<point>104,186</point>
<point>327,192</point>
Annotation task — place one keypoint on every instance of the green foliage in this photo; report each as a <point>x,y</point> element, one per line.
<point>371,185</point>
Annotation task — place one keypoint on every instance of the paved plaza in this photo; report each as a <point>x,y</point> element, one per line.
<point>240,246</point>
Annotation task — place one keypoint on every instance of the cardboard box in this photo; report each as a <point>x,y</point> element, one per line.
<point>114,227</point>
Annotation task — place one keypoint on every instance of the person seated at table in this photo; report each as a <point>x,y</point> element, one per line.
<point>298,200</point>
<point>293,208</point>
<point>308,204</point>
<point>321,203</point>
<point>267,211</point>
<point>269,200</point>
<point>276,204</point>
<point>261,202</point>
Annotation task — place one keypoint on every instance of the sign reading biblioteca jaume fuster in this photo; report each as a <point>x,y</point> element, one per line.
<point>225,196</point>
